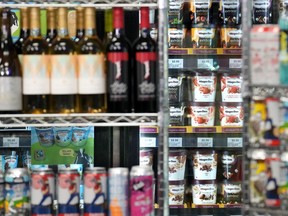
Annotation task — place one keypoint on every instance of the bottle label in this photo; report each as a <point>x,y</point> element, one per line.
<point>146,75</point>
<point>36,77</point>
<point>92,77</point>
<point>63,74</point>
<point>118,67</point>
<point>10,93</point>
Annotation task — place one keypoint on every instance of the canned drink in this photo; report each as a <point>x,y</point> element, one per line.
<point>95,191</point>
<point>68,188</point>
<point>17,194</point>
<point>118,191</point>
<point>141,191</point>
<point>42,192</point>
<point>1,193</point>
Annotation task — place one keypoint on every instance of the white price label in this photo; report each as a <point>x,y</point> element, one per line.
<point>10,141</point>
<point>147,142</point>
<point>176,63</point>
<point>235,63</point>
<point>205,142</point>
<point>235,142</point>
<point>204,63</point>
<point>175,141</point>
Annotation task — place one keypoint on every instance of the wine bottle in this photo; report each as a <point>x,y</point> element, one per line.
<point>145,67</point>
<point>118,67</point>
<point>63,68</point>
<point>36,77</point>
<point>108,17</point>
<point>79,24</point>
<point>24,32</point>
<point>91,76</point>
<point>10,69</point>
<point>51,26</point>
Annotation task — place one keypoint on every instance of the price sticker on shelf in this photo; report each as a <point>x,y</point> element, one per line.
<point>235,63</point>
<point>147,142</point>
<point>204,63</point>
<point>205,142</point>
<point>176,63</point>
<point>175,141</point>
<point>10,141</point>
<point>235,142</point>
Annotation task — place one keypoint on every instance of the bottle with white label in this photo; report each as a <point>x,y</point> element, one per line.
<point>36,77</point>
<point>10,69</point>
<point>63,68</point>
<point>91,65</point>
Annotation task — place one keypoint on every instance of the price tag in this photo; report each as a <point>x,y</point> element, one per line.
<point>235,142</point>
<point>175,141</point>
<point>204,63</point>
<point>205,142</point>
<point>176,63</point>
<point>235,63</point>
<point>147,142</point>
<point>10,141</point>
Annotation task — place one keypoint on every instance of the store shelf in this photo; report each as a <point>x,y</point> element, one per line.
<point>100,4</point>
<point>206,212</point>
<point>190,129</point>
<point>195,137</point>
<point>63,120</point>
<point>269,90</point>
<point>211,51</point>
<point>266,211</point>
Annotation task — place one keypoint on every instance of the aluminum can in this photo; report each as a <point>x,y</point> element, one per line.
<point>141,191</point>
<point>95,191</point>
<point>2,193</point>
<point>17,192</point>
<point>68,187</point>
<point>118,186</point>
<point>42,192</point>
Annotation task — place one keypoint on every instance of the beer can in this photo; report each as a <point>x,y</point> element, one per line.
<point>1,193</point>
<point>17,194</point>
<point>68,187</point>
<point>42,191</point>
<point>118,187</point>
<point>141,191</point>
<point>95,191</point>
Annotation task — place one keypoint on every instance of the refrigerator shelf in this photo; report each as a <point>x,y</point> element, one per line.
<point>100,4</point>
<point>269,90</point>
<point>211,51</point>
<point>265,211</point>
<point>78,119</point>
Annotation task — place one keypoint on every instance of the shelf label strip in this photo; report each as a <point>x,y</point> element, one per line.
<point>147,141</point>
<point>175,141</point>
<point>11,142</point>
<point>205,142</point>
<point>235,142</point>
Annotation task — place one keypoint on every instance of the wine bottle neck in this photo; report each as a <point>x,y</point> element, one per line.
<point>145,32</point>
<point>90,32</point>
<point>35,32</point>
<point>117,32</point>
<point>24,33</point>
<point>63,32</point>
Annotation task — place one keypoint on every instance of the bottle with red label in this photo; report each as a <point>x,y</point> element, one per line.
<point>145,67</point>
<point>118,67</point>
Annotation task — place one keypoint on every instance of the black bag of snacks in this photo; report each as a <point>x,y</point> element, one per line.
<point>230,12</point>
<point>262,11</point>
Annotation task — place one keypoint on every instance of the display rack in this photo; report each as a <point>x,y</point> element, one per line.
<point>160,119</point>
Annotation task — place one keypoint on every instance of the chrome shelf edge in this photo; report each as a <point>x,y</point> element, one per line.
<point>64,120</point>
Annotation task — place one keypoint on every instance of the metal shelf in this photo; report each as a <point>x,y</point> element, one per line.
<point>63,120</point>
<point>269,90</point>
<point>265,211</point>
<point>100,4</point>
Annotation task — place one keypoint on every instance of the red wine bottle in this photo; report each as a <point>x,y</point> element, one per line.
<point>118,67</point>
<point>145,67</point>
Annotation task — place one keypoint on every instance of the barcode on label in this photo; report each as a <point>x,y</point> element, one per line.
<point>10,141</point>
<point>175,142</point>
<point>205,142</point>
<point>205,63</point>
<point>176,64</point>
<point>235,63</point>
<point>235,142</point>
<point>147,142</point>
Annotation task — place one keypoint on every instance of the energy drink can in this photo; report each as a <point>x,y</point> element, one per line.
<point>95,191</point>
<point>68,187</point>
<point>118,191</point>
<point>42,192</point>
<point>141,191</point>
<point>17,194</point>
<point>1,193</point>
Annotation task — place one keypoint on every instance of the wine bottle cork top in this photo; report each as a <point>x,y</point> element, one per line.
<point>144,13</point>
<point>118,15</point>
